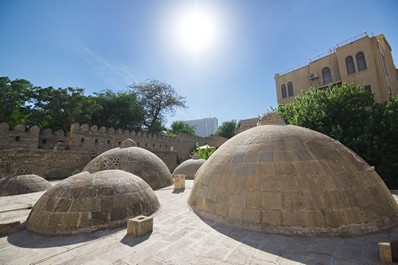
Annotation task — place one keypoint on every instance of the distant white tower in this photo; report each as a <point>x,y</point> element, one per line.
<point>204,127</point>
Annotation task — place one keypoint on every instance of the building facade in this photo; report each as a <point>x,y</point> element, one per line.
<point>204,127</point>
<point>363,60</point>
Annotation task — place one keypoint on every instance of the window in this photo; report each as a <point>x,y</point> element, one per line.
<point>44,141</point>
<point>349,63</point>
<point>82,140</point>
<point>96,141</point>
<point>283,90</point>
<point>368,89</point>
<point>108,142</point>
<point>17,138</point>
<point>290,89</point>
<point>361,61</point>
<point>326,76</point>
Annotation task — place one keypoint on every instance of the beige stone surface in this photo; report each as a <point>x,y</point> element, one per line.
<point>189,168</point>
<point>20,184</point>
<point>292,180</point>
<point>139,226</point>
<point>88,202</point>
<point>9,228</point>
<point>385,252</point>
<point>181,237</point>
<point>179,181</point>
<point>136,160</point>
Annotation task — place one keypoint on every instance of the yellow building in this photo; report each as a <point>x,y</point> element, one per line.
<point>363,60</point>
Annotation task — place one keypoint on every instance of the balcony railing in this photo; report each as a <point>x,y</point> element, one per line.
<point>331,50</point>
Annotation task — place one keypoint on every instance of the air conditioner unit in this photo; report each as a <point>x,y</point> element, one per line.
<point>313,76</point>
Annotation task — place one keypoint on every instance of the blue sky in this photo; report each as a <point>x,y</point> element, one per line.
<point>98,45</point>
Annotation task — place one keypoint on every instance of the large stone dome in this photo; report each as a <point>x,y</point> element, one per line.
<point>292,180</point>
<point>86,202</point>
<point>136,160</point>
<point>20,184</point>
<point>189,167</point>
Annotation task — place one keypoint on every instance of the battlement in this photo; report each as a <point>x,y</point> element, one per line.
<point>59,154</point>
<point>96,140</point>
<point>19,137</point>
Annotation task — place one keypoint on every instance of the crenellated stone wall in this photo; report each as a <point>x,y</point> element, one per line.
<point>59,154</point>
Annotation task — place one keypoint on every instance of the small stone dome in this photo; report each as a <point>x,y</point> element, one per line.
<point>87,202</point>
<point>291,180</point>
<point>20,184</point>
<point>189,167</point>
<point>136,160</point>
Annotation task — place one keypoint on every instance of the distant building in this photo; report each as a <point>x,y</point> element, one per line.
<point>363,60</point>
<point>204,127</point>
<point>246,124</point>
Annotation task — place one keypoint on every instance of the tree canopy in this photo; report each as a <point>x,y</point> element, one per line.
<point>157,99</point>
<point>14,100</point>
<point>59,108</point>
<point>118,110</point>
<point>181,127</point>
<point>227,129</point>
<point>349,114</point>
<point>142,108</point>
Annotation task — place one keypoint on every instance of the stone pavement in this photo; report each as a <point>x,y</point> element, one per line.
<point>179,237</point>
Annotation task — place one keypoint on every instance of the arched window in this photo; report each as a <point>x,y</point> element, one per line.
<point>290,91</point>
<point>361,62</point>
<point>349,63</point>
<point>283,90</point>
<point>326,76</point>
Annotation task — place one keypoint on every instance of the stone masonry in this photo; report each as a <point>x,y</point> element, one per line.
<point>59,154</point>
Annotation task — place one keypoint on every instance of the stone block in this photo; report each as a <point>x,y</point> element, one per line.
<point>179,181</point>
<point>385,252</point>
<point>139,226</point>
<point>394,250</point>
<point>9,228</point>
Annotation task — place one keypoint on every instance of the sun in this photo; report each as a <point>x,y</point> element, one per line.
<point>196,31</point>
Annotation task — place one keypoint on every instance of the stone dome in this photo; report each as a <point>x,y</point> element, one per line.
<point>87,202</point>
<point>292,180</point>
<point>189,167</point>
<point>136,160</point>
<point>20,184</point>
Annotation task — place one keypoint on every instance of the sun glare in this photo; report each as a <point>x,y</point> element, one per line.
<point>196,31</point>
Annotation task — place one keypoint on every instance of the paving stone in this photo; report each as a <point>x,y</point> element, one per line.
<point>181,237</point>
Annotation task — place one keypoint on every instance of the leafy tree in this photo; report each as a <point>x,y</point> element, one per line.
<point>227,129</point>
<point>349,114</point>
<point>181,127</point>
<point>157,99</point>
<point>204,151</point>
<point>14,100</point>
<point>118,110</point>
<point>59,108</point>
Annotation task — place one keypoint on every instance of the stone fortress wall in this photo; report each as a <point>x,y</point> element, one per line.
<point>60,154</point>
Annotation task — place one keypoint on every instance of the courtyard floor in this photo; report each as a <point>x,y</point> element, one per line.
<point>179,237</point>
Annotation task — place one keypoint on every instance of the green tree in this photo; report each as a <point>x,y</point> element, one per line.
<point>14,101</point>
<point>227,129</point>
<point>204,151</point>
<point>59,108</point>
<point>157,99</point>
<point>181,127</point>
<point>349,114</point>
<point>118,110</point>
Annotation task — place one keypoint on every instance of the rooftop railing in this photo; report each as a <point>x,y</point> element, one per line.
<point>331,50</point>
